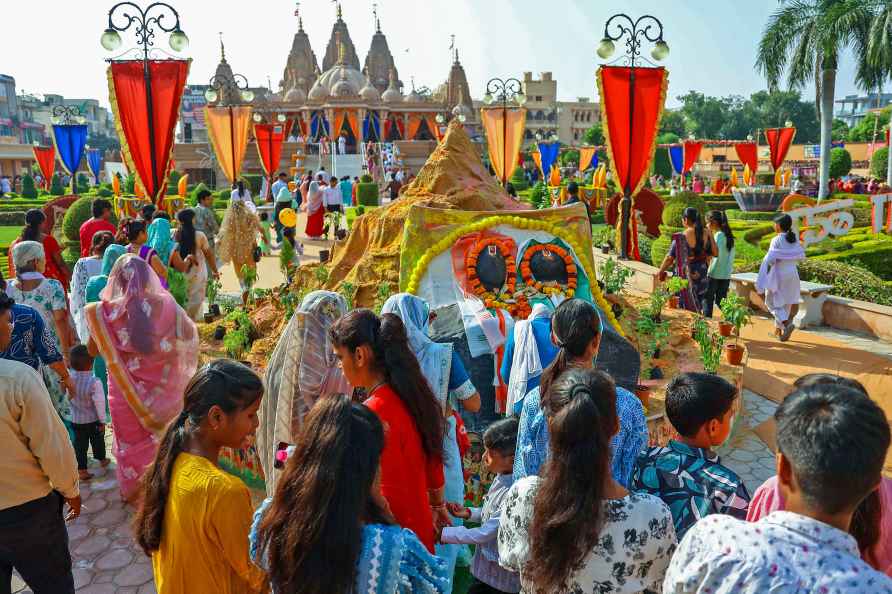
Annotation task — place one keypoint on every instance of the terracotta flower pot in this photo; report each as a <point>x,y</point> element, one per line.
<point>643,393</point>
<point>673,302</point>
<point>725,328</point>
<point>734,353</point>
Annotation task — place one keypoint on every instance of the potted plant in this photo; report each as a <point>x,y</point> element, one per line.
<point>652,336</point>
<point>643,393</point>
<point>658,299</point>
<point>674,286</point>
<point>735,312</point>
<point>711,346</point>
<point>614,276</point>
<point>213,291</point>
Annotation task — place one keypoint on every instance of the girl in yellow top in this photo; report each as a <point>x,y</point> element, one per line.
<point>194,518</point>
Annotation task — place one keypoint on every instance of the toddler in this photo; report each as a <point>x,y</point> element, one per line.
<point>87,411</point>
<point>499,443</point>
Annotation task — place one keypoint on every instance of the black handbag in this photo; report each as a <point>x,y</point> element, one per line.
<point>256,254</point>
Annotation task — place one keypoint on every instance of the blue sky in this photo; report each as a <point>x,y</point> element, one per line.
<point>713,43</point>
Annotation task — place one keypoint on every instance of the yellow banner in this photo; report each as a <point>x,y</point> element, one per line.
<point>586,154</point>
<point>228,129</point>
<point>504,136</point>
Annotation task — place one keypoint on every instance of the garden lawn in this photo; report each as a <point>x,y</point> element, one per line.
<point>8,235</point>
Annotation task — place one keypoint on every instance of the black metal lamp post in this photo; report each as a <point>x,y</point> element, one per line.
<point>223,88</point>
<point>156,14</point>
<point>504,92</point>
<point>647,28</point>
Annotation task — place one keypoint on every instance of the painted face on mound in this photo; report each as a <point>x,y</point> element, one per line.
<point>491,268</point>
<point>548,266</point>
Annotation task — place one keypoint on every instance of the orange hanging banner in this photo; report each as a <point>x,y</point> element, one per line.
<point>228,129</point>
<point>586,154</point>
<point>414,125</point>
<point>537,159</point>
<point>504,134</point>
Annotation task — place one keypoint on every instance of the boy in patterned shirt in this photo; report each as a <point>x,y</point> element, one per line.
<point>87,412</point>
<point>686,474</point>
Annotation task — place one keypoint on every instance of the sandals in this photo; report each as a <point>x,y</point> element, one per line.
<point>788,331</point>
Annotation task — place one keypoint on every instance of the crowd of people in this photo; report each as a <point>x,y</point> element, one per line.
<point>358,428</point>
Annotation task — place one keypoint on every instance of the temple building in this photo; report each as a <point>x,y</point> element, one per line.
<point>362,103</point>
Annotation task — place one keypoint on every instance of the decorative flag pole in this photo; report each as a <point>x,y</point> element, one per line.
<point>632,99</point>
<point>502,150</point>
<point>69,138</point>
<point>145,94</point>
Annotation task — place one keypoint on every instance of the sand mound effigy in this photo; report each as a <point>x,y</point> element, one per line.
<point>453,178</point>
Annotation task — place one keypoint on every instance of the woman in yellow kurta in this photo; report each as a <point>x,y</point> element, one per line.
<point>194,518</point>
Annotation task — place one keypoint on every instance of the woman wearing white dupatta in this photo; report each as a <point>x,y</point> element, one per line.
<point>302,369</point>
<point>779,276</point>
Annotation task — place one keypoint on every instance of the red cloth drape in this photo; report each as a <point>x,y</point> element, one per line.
<point>127,90</point>
<point>46,160</point>
<point>779,141</point>
<point>746,152</point>
<point>269,139</point>
<point>631,129</point>
<point>691,154</point>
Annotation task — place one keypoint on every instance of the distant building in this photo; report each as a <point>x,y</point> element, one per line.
<point>547,116</point>
<point>852,108</point>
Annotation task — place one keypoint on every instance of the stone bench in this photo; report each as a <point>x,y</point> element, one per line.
<point>811,298</point>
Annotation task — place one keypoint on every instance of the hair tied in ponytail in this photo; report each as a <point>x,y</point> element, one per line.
<point>580,390</point>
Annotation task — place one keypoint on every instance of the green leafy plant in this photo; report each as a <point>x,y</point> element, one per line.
<point>840,162</point>
<point>658,299</point>
<point>56,188</point>
<point>676,285</point>
<point>289,300</point>
<point>539,196</point>
<point>286,259</point>
<point>348,291</point>
<point>321,275</point>
<point>614,276</point>
<point>381,296</point>
<point>249,279</point>
<point>29,190</point>
<point>711,345</point>
<point>735,311</point>
<point>177,286</point>
<point>652,336</point>
<point>878,164</point>
<point>213,290</point>
<point>238,339</point>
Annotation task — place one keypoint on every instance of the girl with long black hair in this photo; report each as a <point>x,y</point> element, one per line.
<point>778,277</point>
<point>327,529</point>
<point>575,528</point>
<point>722,265</point>
<point>576,329</point>
<point>193,243</point>
<point>689,256</point>
<point>375,356</point>
<point>194,518</point>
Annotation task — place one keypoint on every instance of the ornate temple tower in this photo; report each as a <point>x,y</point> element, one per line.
<point>340,35</point>
<point>302,68</point>
<point>458,94</point>
<point>223,74</point>
<point>379,62</point>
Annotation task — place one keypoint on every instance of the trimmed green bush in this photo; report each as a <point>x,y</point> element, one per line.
<point>76,215</point>
<point>672,212</point>
<point>879,163</point>
<point>366,178</point>
<point>172,180</point>
<point>193,195</point>
<point>875,256</point>
<point>104,193</point>
<point>518,180</point>
<point>83,183</point>
<point>29,190</point>
<point>662,165</point>
<point>12,218</point>
<point>254,182</point>
<point>743,215</point>
<point>840,162</point>
<point>367,194</point>
<point>56,188</point>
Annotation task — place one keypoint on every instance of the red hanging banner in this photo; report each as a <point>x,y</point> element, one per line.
<point>46,160</point>
<point>269,139</point>
<point>129,95</point>
<point>746,152</point>
<point>691,154</point>
<point>779,141</point>
<point>631,108</point>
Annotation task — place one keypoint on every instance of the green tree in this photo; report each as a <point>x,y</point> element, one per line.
<point>567,158</point>
<point>29,190</point>
<point>56,188</point>
<point>840,162</point>
<point>840,131</point>
<point>672,122</point>
<point>594,136</point>
<point>878,163</point>
<point>667,138</point>
<point>703,115</point>
<point>804,39</point>
<point>777,107</point>
<point>870,127</point>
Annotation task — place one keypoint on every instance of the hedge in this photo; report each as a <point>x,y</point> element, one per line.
<point>75,216</point>
<point>875,256</point>
<point>743,215</point>
<point>367,194</point>
<point>840,162</point>
<point>851,281</point>
<point>879,163</point>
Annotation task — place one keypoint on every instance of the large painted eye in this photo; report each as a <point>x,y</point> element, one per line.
<point>491,268</point>
<point>547,266</point>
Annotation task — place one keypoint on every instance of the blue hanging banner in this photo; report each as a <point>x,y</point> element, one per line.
<point>94,160</point>
<point>376,126</point>
<point>594,164</point>
<point>549,153</point>
<point>676,157</point>
<point>70,141</point>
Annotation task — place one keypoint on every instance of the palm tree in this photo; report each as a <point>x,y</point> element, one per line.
<point>878,64</point>
<point>805,38</point>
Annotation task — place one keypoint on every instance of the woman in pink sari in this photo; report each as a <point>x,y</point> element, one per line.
<point>150,347</point>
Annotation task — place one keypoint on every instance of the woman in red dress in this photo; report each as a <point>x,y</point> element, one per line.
<point>316,209</point>
<point>375,355</point>
<point>33,231</point>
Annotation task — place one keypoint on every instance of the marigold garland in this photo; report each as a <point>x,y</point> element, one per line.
<point>522,223</point>
<point>505,297</point>
<point>526,274</point>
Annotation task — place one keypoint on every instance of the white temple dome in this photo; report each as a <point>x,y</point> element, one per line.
<point>461,109</point>
<point>413,97</point>
<point>370,93</point>
<point>295,95</point>
<point>338,81</point>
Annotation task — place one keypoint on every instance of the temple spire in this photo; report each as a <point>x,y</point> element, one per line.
<point>340,13</point>
<point>375,14</point>
<point>222,49</point>
<point>300,19</point>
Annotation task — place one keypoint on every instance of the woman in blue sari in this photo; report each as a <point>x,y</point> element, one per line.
<point>328,529</point>
<point>94,288</point>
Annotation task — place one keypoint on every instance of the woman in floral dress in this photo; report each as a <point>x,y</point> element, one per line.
<point>582,532</point>
<point>31,287</point>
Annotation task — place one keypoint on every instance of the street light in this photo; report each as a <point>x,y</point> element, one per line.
<point>224,87</point>
<point>67,115</point>
<point>504,92</point>
<point>634,32</point>
<point>156,14</point>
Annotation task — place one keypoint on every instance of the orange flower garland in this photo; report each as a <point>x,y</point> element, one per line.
<point>505,297</point>
<point>527,275</point>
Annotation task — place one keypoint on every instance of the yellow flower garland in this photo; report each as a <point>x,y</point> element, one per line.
<point>521,223</point>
